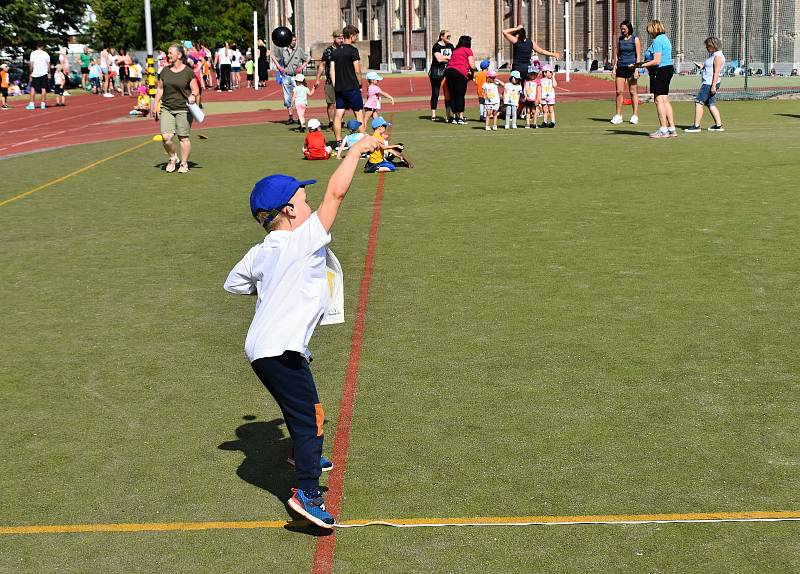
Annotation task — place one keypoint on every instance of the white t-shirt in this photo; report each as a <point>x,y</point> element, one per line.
<point>491,94</point>
<point>511,94</point>
<point>288,272</point>
<point>236,58</point>
<point>225,55</point>
<point>41,63</point>
<point>708,67</point>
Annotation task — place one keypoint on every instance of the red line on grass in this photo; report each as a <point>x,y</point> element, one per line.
<point>323,556</point>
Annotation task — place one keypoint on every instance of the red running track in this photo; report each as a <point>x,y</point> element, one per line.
<point>89,118</point>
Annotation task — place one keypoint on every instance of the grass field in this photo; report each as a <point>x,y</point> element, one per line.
<point>576,321</point>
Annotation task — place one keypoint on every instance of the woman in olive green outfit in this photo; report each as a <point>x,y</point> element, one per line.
<point>175,90</point>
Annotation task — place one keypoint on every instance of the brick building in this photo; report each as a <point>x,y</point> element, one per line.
<point>398,34</point>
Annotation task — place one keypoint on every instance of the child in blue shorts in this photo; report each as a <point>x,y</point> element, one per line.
<point>288,274</point>
<point>383,159</point>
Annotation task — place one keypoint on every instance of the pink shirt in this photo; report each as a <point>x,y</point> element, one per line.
<point>459,61</point>
<point>372,97</point>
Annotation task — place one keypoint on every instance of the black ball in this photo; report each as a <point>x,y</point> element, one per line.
<point>282,36</point>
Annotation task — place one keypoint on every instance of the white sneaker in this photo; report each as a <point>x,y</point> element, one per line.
<point>488,129</point>
<point>494,128</point>
<point>42,106</point>
<point>508,127</point>
<point>108,95</point>
<point>66,93</point>
<point>634,120</point>
<point>617,119</point>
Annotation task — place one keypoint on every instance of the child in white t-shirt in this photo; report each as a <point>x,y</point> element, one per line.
<point>491,99</point>
<point>59,80</point>
<point>530,92</point>
<point>300,97</point>
<point>547,95</point>
<point>288,274</point>
<point>511,93</point>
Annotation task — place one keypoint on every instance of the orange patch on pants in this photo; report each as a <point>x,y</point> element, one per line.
<point>319,414</point>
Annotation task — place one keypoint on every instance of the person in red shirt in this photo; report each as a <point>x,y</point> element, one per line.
<point>315,146</point>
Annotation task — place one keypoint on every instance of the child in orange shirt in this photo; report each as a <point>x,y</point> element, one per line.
<point>315,146</point>
<point>480,78</point>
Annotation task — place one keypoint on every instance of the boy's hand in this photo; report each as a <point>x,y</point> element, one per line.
<point>366,144</point>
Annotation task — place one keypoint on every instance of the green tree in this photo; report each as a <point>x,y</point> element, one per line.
<point>24,23</point>
<point>121,22</point>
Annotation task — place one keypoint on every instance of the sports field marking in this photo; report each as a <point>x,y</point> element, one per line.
<point>72,174</point>
<point>607,519</point>
<point>323,555</point>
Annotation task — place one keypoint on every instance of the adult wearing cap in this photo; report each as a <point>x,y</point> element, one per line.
<point>327,58</point>
<point>288,272</point>
<point>456,74</point>
<point>522,49</point>
<point>290,61</point>
<point>440,56</point>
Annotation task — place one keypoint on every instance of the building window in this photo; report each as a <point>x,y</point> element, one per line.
<point>420,13</point>
<point>397,15</point>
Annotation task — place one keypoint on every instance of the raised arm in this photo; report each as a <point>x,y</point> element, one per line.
<point>509,34</point>
<point>539,50</point>
<point>340,181</point>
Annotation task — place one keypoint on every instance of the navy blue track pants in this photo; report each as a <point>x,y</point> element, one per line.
<point>288,379</point>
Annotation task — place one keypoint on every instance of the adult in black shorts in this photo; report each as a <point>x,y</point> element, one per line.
<point>440,55</point>
<point>627,51</point>
<point>658,61</point>
<point>346,80</point>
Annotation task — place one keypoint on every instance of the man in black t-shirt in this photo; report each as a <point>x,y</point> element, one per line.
<point>346,79</point>
<point>327,58</point>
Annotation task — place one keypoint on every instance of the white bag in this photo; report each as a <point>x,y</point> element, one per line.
<point>334,313</point>
<point>197,113</point>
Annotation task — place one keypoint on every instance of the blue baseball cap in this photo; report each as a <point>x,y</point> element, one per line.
<point>515,74</point>
<point>484,64</point>
<point>378,122</point>
<point>273,192</point>
<point>353,125</point>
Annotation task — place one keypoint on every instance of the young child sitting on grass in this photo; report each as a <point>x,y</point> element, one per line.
<point>142,108</point>
<point>288,274</point>
<point>383,159</point>
<point>351,138</point>
<point>315,146</point>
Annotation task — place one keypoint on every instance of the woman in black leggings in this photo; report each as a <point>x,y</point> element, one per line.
<point>461,63</point>
<point>440,55</point>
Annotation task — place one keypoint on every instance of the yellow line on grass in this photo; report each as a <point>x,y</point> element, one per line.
<point>755,516</point>
<point>72,174</point>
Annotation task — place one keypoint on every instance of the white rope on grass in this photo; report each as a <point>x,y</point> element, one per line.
<point>564,523</point>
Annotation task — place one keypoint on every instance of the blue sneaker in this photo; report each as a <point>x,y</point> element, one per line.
<point>312,507</point>
<point>30,106</point>
<point>324,462</point>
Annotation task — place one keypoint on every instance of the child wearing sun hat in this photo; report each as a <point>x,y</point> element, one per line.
<point>315,146</point>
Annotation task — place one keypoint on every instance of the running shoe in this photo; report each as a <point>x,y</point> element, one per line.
<point>508,127</point>
<point>108,95</point>
<point>693,130</point>
<point>311,506</point>
<point>673,133</point>
<point>42,106</point>
<point>30,106</point>
<point>184,168</point>
<point>324,462</point>
<point>617,119</point>
<point>462,122</point>
<point>634,120</point>
<point>658,134</point>
<point>716,128</point>
<point>488,129</point>
<point>494,128</point>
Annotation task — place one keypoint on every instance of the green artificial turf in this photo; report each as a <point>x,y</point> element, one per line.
<point>570,321</point>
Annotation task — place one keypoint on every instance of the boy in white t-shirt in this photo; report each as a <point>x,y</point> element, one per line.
<point>288,274</point>
<point>491,99</point>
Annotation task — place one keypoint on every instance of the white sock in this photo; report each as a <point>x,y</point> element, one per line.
<point>663,130</point>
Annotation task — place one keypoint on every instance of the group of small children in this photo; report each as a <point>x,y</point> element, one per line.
<point>537,96</point>
<point>386,158</point>
<point>302,92</point>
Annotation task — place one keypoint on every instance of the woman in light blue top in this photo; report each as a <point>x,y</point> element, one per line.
<point>658,61</point>
<point>711,70</point>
